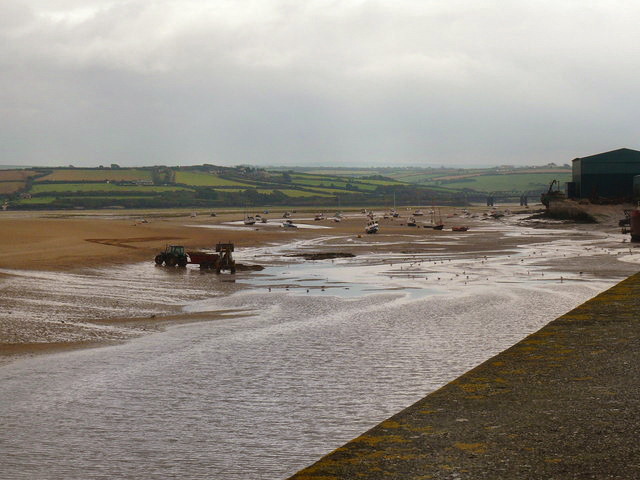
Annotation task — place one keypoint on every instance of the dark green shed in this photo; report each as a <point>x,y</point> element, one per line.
<point>606,175</point>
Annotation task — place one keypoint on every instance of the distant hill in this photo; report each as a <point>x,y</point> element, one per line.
<point>216,186</point>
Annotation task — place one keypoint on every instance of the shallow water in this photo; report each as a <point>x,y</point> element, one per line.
<point>263,396</point>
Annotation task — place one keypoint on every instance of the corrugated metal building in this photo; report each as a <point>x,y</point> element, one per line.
<point>605,175</point>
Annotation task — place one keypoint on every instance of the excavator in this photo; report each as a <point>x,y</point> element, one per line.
<point>552,193</point>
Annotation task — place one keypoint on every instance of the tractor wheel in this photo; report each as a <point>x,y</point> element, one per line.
<point>159,259</point>
<point>171,261</point>
<point>182,262</point>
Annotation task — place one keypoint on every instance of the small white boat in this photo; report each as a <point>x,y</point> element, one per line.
<point>372,227</point>
<point>289,224</point>
<point>249,220</point>
<point>411,222</point>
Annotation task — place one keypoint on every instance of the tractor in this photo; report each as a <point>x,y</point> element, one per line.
<point>173,255</point>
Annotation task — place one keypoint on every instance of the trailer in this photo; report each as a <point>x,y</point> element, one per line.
<point>221,260</point>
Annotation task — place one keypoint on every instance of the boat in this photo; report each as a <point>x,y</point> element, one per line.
<point>249,220</point>
<point>418,213</point>
<point>435,225</point>
<point>394,212</point>
<point>286,215</point>
<point>337,219</point>
<point>371,227</point>
<point>319,216</point>
<point>411,222</point>
<point>289,224</point>
<point>459,229</point>
<point>263,220</point>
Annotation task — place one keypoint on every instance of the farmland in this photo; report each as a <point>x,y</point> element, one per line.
<point>502,183</point>
<point>96,175</point>
<point>7,188</point>
<point>206,180</point>
<point>209,185</point>
<point>61,188</point>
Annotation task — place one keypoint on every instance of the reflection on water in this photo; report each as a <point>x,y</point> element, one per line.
<point>263,396</point>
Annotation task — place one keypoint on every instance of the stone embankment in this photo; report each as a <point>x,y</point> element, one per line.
<point>564,403</point>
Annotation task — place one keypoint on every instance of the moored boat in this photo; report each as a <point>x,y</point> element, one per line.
<point>289,224</point>
<point>371,227</point>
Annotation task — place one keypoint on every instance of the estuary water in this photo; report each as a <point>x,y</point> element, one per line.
<point>325,351</point>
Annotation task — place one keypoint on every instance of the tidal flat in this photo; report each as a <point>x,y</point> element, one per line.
<point>259,374</point>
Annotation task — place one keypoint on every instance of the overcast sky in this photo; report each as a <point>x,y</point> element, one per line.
<point>316,82</point>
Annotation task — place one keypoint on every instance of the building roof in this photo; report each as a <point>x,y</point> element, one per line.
<point>614,155</point>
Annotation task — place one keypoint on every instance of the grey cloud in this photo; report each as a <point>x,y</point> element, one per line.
<point>178,82</point>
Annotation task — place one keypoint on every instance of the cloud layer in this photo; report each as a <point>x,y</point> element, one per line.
<point>143,82</point>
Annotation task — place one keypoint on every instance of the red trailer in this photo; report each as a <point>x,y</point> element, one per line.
<point>221,260</point>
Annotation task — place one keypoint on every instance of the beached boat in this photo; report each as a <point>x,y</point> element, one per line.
<point>436,224</point>
<point>289,224</point>
<point>418,213</point>
<point>459,229</point>
<point>249,220</point>
<point>319,216</point>
<point>371,227</point>
<point>411,222</point>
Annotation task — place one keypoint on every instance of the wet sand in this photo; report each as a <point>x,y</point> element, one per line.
<point>73,243</point>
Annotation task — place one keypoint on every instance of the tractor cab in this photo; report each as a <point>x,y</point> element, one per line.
<point>175,250</point>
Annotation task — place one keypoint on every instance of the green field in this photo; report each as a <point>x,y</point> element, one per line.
<point>100,187</point>
<point>288,192</point>
<point>335,183</point>
<point>198,179</point>
<point>302,193</point>
<point>506,183</point>
<point>36,201</point>
<point>340,172</point>
<point>97,175</point>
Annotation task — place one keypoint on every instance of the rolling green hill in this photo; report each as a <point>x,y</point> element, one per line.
<point>210,185</point>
